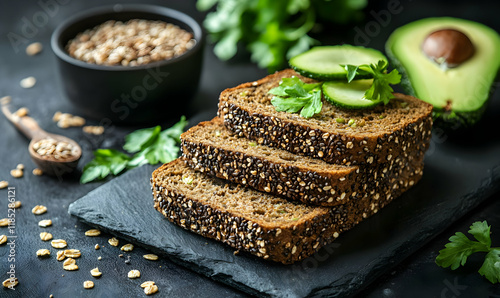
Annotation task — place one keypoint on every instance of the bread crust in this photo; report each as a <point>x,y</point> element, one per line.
<point>328,186</point>
<point>295,134</point>
<point>284,243</point>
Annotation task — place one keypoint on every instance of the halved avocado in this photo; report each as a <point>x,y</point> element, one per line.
<point>459,94</point>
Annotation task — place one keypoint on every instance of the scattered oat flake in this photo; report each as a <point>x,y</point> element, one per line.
<point>45,223</point>
<point>39,209</point>
<point>99,258</point>
<point>5,100</point>
<point>16,173</point>
<point>4,184</point>
<point>113,241</point>
<point>43,252</point>
<point>71,267</point>
<point>34,48</point>
<point>16,205</point>
<point>22,112</point>
<point>151,289</point>
<point>93,233</point>
<point>95,272</point>
<point>151,257</point>
<point>45,236</point>
<point>147,283</point>
<point>60,255</point>
<point>134,274</point>
<point>28,82</point>
<point>88,284</point>
<point>127,247</point>
<point>59,243</point>
<point>37,172</point>
<point>69,261</point>
<point>3,239</point>
<point>72,253</point>
<point>10,282</point>
<point>4,222</point>
<point>94,130</point>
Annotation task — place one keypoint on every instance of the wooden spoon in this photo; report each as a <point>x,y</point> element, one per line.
<point>49,164</point>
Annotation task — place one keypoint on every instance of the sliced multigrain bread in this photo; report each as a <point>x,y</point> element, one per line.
<point>210,148</point>
<point>373,136</point>
<point>264,225</point>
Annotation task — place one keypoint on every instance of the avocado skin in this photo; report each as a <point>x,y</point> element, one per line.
<point>449,120</point>
<point>446,119</point>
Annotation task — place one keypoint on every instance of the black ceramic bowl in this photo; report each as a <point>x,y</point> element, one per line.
<point>148,93</point>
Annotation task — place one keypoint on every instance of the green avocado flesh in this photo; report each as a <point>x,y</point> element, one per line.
<point>459,95</point>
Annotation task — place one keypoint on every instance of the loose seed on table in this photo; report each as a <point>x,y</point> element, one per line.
<point>37,172</point>
<point>28,82</point>
<point>43,252</point>
<point>60,255</point>
<point>69,261</point>
<point>88,284</point>
<point>93,233</point>
<point>45,236</point>
<point>134,274</point>
<point>4,184</point>
<point>94,130</point>
<point>34,48</point>
<point>97,247</point>
<point>150,257</point>
<point>59,243</point>
<point>10,282</point>
<point>3,239</point>
<point>147,283</point>
<point>45,223</point>
<point>95,272</point>
<point>127,247</point>
<point>4,222</point>
<point>71,267</point>
<point>113,241</point>
<point>20,166</point>
<point>72,253</point>
<point>151,289</point>
<point>16,173</point>
<point>39,209</point>
<point>15,205</point>
<point>22,112</point>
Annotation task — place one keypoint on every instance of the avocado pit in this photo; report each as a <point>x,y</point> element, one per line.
<point>448,47</point>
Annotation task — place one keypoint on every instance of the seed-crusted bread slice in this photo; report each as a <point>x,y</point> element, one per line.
<point>379,134</point>
<point>210,148</point>
<point>264,225</point>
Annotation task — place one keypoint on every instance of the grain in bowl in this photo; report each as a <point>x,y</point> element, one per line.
<point>130,43</point>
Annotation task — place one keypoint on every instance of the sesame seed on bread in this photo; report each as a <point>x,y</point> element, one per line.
<point>210,148</point>
<point>261,224</point>
<point>384,131</point>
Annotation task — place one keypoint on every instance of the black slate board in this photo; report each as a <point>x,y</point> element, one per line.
<point>459,174</point>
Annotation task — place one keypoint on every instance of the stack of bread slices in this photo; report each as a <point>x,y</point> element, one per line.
<point>280,186</point>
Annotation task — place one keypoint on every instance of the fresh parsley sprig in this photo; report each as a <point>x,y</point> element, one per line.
<point>381,89</point>
<point>148,145</point>
<point>293,95</point>
<point>460,247</point>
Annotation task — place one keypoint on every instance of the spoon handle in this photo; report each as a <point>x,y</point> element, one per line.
<point>27,125</point>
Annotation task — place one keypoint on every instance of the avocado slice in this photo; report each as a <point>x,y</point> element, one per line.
<point>459,94</point>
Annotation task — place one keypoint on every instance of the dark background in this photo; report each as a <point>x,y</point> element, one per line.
<point>416,277</point>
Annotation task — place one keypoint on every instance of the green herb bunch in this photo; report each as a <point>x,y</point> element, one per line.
<point>148,146</point>
<point>272,30</point>
<point>460,247</point>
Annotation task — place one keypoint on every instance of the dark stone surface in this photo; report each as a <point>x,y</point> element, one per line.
<point>464,154</point>
<point>451,187</point>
